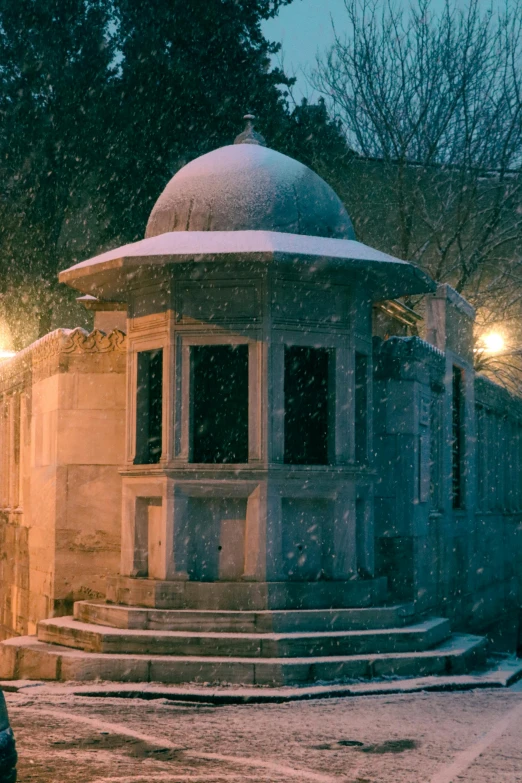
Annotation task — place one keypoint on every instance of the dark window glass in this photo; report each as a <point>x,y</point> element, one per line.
<point>149,406</point>
<point>306,406</point>
<point>361,407</point>
<point>457,437</point>
<point>435,453</point>
<point>220,403</point>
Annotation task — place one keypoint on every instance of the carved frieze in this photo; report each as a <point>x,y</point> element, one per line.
<point>80,341</point>
<point>61,341</point>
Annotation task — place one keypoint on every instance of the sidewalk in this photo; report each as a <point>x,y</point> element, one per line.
<point>469,737</point>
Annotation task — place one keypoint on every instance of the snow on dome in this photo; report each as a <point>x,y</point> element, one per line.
<point>248,187</point>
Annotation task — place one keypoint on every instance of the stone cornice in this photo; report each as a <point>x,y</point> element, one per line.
<point>61,341</point>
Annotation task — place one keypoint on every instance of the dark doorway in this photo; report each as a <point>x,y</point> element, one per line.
<point>149,407</point>
<point>306,406</point>
<point>219,399</point>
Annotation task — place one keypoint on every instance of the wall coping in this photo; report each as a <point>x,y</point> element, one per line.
<point>492,395</point>
<point>445,291</point>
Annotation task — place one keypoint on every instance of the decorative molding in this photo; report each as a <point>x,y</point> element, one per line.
<point>80,341</point>
<point>232,301</point>
<point>61,341</point>
<point>96,305</point>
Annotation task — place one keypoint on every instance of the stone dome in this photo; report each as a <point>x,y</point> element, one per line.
<point>248,187</point>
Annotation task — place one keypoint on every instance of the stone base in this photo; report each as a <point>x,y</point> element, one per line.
<point>263,621</point>
<point>68,632</point>
<point>244,633</point>
<point>248,596</point>
<point>28,658</point>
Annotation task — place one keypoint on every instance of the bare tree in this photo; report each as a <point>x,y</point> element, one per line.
<point>431,104</point>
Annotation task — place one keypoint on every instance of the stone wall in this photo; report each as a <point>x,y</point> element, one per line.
<point>62,408</point>
<point>498,519</point>
<point>460,559</point>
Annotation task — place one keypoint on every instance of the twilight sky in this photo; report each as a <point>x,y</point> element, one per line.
<point>304,27</point>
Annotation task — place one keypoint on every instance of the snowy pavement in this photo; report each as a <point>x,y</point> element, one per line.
<point>460,737</point>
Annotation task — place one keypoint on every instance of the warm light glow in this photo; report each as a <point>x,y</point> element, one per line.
<point>493,342</point>
<point>6,341</point>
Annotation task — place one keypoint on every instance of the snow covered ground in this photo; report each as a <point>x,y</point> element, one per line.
<point>464,737</point>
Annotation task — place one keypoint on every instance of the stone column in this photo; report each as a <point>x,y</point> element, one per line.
<point>344,534</point>
<point>263,539</point>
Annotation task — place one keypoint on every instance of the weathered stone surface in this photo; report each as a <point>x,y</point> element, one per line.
<point>250,596</point>
<point>456,655</point>
<point>8,659</point>
<point>118,668</point>
<point>279,621</point>
<point>63,441</point>
<point>68,632</point>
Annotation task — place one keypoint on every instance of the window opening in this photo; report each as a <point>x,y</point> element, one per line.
<point>306,406</point>
<point>219,403</point>
<point>458,437</point>
<point>435,453</point>
<point>361,408</point>
<point>149,407</point>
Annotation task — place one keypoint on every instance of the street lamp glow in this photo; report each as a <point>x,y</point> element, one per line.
<point>494,342</point>
<point>6,354</point>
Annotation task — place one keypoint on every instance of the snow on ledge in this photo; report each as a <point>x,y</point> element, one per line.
<point>209,243</point>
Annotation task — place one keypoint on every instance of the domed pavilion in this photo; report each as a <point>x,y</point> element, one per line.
<point>248,484</point>
<point>249,395</point>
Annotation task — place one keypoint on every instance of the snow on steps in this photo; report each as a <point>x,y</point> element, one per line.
<point>68,632</point>
<point>28,658</point>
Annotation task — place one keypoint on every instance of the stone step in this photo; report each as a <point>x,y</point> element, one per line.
<point>252,596</point>
<point>27,658</point>
<point>68,632</point>
<point>278,621</point>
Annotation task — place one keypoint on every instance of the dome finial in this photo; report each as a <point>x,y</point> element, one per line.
<point>249,135</point>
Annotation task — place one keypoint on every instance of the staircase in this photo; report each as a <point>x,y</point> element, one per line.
<point>260,646</point>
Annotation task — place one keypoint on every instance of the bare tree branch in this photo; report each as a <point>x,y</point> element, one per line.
<point>431,103</point>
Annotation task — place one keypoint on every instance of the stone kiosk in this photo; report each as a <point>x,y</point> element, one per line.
<point>248,536</point>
